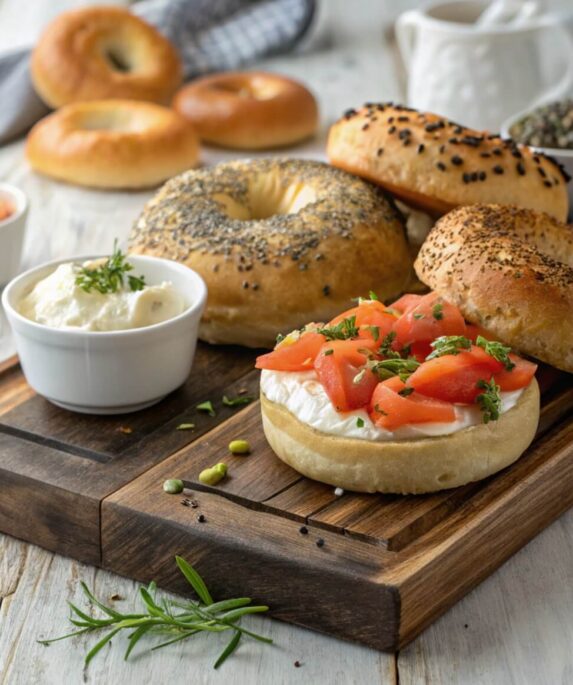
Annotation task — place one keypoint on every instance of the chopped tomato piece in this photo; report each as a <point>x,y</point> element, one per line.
<point>519,377</point>
<point>429,319</point>
<point>390,410</point>
<point>454,378</point>
<point>293,356</point>
<point>341,368</point>
<point>373,319</point>
<point>407,301</point>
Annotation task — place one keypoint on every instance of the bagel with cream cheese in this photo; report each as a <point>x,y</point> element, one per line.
<point>277,241</point>
<point>94,53</point>
<point>407,398</point>
<point>433,164</point>
<point>509,270</point>
<point>248,110</point>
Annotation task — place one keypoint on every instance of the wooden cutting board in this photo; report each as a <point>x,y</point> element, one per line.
<point>384,566</point>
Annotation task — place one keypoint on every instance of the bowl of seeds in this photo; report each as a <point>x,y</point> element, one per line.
<point>547,129</point>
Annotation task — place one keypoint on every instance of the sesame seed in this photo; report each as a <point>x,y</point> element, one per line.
<point>326,290</point>
<point>457,160</point>
<point>421,148</point>
<point>441,166</point>
<point>497,169</point>
<point>520,169</point>
<point>392,129</point>
<point>379,151</point>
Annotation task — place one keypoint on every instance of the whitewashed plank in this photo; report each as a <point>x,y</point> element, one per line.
<point>38,609</point>
<point>516,627</point>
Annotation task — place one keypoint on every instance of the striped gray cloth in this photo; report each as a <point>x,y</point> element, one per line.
<point>211,35</point>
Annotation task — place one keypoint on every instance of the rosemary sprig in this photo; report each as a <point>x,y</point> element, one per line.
<point>180,620</point>
<point>489,401</point>
<point>344,330</point>
<point>110,276</point>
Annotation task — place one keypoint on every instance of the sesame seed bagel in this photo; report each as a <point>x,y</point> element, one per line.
<point>509,270</point>
<point>103,52</point>
<point>279,242</point>
<point>436,165</point>
<point>248,110</point>
<point>112,144</point>
<point>405,466</point>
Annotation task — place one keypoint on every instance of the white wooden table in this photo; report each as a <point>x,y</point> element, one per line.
<point>517,627</point>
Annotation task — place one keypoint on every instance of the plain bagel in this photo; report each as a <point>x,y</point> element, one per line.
<point>435,165</point>
<point>279,242</point>
<point>509,270</point>
<point>248,110</point>
<point>408,466</point>
<point>103,52</point>
<point>112,144</point>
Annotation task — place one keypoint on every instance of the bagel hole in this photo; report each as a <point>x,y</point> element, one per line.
<point>117,59</point>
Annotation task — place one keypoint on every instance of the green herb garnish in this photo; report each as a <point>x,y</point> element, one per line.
<point>110,276</point>
<point>497,350</point>
<point>375,330</point>
<point>344,330</point>
<point>177,620</point>
<point>438,311</point>
<point>237,401</point>
<point>207,407</point>
<point>378,410</point>
<point>489,400</point>
<point>449,344</point>
<point>373,296</point>
<point>359,422</point>
<point>385,348</point>
<point>328,352</point>
<point>185,426</point>
<point>418,316</point>
<point>405,391</point>
<point>387,368</point>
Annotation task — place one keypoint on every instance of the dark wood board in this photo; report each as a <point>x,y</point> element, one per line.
<point>91,488</point>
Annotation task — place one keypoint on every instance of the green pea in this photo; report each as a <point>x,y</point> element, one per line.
<point>213,475</point>
<point>239,447</point>
<point>173,486</point>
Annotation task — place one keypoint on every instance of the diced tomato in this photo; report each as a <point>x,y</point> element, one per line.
<point>293,356</point>
<point>454,378</point>
<point>519,377</point>
<point>407,301</point>
<point>390,410</point>
<point>369,315</point>
<point>429,319</point>
<point>340,367</point>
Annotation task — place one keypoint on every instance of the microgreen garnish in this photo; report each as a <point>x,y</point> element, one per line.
<point>359,422</point>
<point>489,400</point>
<point>344,330</point>
<point>176,619</point>
<point>373,295</point>
<point>207,407</point>
<point>110,276</point>
<point>496,350</point>
<point>328,352</point>
<point>185,427</point>
<point>385,348</point>
<point>438,311</point>
<point>236,401</point>
<point>405,391</point>
<point>449,344</point>
<point>387,368</point>
<point>418,316</point>
<point>375,330</point>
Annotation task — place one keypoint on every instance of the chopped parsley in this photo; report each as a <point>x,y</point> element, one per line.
<point>375,330</point>
<point>449,344</point>
<point>328,352</point>
<point>418,316</point>
<point>378,410</point>
<point>385,348</point>
<point>344,330</point>
<point>438,311</point>
<point>489,400</point>
<point>236,401</point>
<point>207,407</point>
<point>110,276</point>
<point>496,350</point>
<point>405,392</point>
<point>359,422</point>
<point>373,295</point>
<point>387,368</point>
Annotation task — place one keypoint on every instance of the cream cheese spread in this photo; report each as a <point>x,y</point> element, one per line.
<point>304,396</point>
<point>56,301</point>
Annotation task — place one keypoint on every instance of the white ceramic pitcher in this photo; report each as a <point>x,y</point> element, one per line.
<point>478,75</point>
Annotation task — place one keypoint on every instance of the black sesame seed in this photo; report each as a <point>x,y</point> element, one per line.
<point>421,148</point>
<point>474,176</point>
<point>379,151</point>
<point>404,133</point>
<point>497,169</point>
<point>303,530</point>
<point>392,129</point>
<point>482,175</point>
<point>453,141</point>
<point>349,113</point>
<point>365,127</point>
<point>320,542</point>
<point>326,290</point>
<point>441,166</point>
<point>457,160</point>
<point>245,284</point>
<point>255,286</point>
<point>520,169</point>
<point>442,149</point>
<point>548,184</point>
<point>434,126</point>
<point>390,120</point>
<point>466,178</point>
<point>497,151</point>
<point>485,155</point>
<point>516,153</point>
<point>459,129</point>
<point>403,118</point>
<point>201,518</point>
<point>541,171</point>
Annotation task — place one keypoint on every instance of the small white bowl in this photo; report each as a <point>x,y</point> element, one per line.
<point>109,372</point>
<point>563,156</point>
<point>12,230</point>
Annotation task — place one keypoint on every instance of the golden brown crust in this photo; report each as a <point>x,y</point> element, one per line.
<point>249,110</point>
<point>436,165</point>
<point>509,270</point>
<point>112,144</point>
<point>305,238</point>
<point>103,52</point>
<point>408,466</point>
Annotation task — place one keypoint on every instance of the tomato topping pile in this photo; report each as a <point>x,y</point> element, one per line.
<point>406,363</point>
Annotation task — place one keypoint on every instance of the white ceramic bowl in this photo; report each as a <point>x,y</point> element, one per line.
<point>564,157</point>
<point>12,230</point>
<point>113,372</point>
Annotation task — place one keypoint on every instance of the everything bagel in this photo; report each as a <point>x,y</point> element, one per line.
<point>509,270</point>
